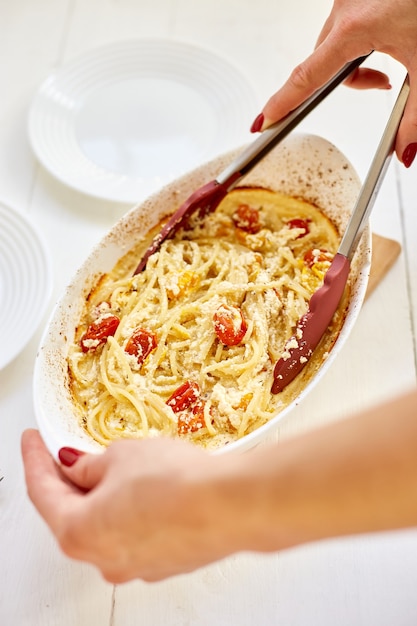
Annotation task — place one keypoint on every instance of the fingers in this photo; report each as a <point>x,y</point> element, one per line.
<point>305,79</point>
<point>46,487</point>
<point>84,470</point>
<point>366,78</point>
<point>47,483</point>
<point>55,492</point>
<point>406,142</point>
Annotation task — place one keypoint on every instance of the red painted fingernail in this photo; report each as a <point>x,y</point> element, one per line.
<point>68,456</point>
<point>409,154</point>
<point>257,124</point>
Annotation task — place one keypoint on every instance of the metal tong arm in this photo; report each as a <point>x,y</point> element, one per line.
<point>210,195</point>
<point>275,133</point>
<point>325,300</point>
<point>375,176</point>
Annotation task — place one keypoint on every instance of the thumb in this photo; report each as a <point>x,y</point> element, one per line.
<point>83,470</point>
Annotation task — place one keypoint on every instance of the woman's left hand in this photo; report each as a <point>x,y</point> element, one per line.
<point>141,509</point>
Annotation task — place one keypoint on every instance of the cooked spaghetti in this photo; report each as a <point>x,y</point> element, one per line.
<point>187,347</point>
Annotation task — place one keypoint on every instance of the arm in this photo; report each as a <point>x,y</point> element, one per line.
<point>353,29</point>
<point>160,507</point>
<point>354,476</point>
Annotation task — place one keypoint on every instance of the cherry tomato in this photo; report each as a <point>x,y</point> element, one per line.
<point>316,255</point>
<point>299,223</point>
<point>184,397</point>
<point>140,344</point>
<point>191,421</point>
<point>229,325</point>
<point>98,331</point>
<point>247,218</point>
<point>187,403</point>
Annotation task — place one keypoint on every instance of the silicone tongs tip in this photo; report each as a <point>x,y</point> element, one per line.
<point>204,199</point>
<point>324,302</point>
<point>311,327</point>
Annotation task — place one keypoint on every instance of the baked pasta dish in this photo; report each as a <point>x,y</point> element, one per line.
<point>187,347</point>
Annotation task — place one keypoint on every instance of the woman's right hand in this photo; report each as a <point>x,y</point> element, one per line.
<point>354,28</point>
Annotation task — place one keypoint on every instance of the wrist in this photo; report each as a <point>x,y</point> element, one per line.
<point>234,498</point>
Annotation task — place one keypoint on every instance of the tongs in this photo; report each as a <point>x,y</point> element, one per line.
<point>325,300</point>
<point>209,196</point>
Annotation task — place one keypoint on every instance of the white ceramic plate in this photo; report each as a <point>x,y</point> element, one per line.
<point>124,119</point>
<point>303,166</point>
<point>25,282</point>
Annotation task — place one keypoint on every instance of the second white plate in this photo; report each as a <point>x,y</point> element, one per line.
<point>127,118</point>
<point>25,282</point>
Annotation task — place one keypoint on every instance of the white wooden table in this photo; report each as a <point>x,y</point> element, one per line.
<point>366,581</point>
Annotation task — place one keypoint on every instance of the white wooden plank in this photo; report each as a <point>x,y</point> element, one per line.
<point>407,181</point>
<point>369,580</point>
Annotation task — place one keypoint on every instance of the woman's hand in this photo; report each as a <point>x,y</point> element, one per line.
<point>142,509</point>
<point>159,507</point>
<point>353,29</point>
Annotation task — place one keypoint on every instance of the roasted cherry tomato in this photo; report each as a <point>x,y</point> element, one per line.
<point>247,218</point>
<point>299,223</point>
<point>190,421</point>
<point>316,255</point>
<point>140,344</point>
<point>184,397</point>
<point>186,401</point>
<point>98,331</point>
<point>229,325</point>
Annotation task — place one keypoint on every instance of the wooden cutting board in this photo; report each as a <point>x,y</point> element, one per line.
<point>384,253</point>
